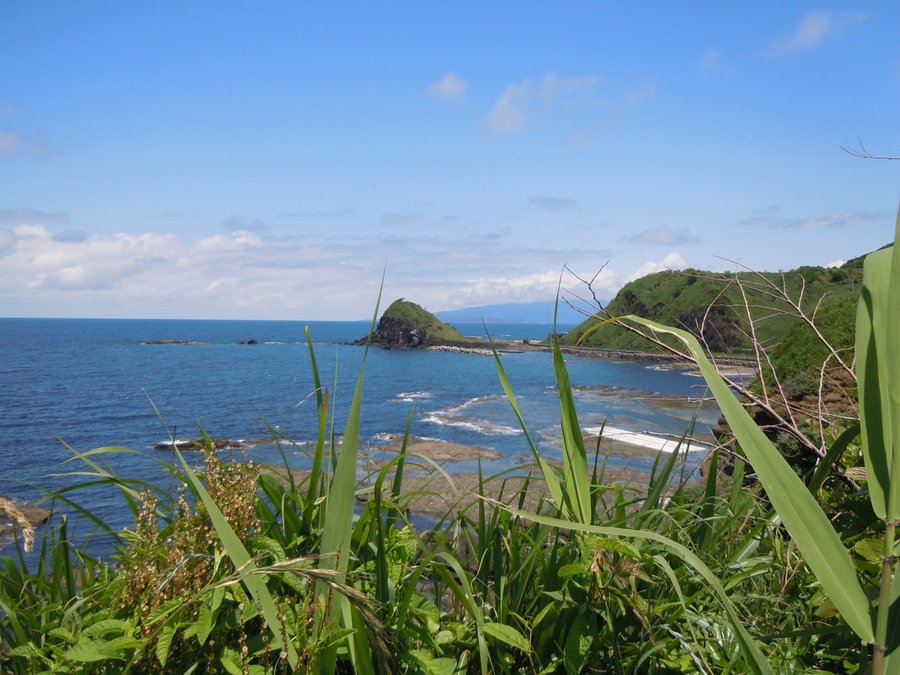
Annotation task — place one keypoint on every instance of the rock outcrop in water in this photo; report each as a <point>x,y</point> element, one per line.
<point>406,325</point>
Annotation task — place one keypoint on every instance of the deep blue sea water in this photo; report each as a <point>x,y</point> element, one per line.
<point>90,383</point>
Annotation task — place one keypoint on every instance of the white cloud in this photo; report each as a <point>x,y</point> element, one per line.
<point>836,263</point>
<point>510,112</point>
<point>513,109</point>
<point>662,236</point>
<point>11,143</point>
<point>451,87</point>
<point>813,30</point>
<point>242,274</point>
<point>673,261</point>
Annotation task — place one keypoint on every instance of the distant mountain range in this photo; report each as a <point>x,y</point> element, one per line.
<point>511,312</point>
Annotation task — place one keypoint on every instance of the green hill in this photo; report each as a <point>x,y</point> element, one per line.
<point>406,325</point>
<point>713,307</point>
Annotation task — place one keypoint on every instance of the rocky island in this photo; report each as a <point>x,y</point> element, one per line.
<point>406,325</point>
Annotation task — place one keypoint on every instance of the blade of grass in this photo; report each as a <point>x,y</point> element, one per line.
<point>319,456</point>
<point>885,657</point>
<point>338,524</point>
<point>549,474</point>
<point>872,372</point>
<point>575,471</point>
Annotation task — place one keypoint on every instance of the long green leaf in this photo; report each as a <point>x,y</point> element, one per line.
<point>872,353</point>
<point>338,525</point>
<point>575,470</point>
<point>887,355</point>
<point>318,457</point>
<point>801,514</point>
<point>548,472</point>
<point>893,374</point>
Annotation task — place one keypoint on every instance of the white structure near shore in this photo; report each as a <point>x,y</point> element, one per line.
<point>649,441</point>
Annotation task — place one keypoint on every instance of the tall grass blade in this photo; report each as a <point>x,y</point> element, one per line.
<point>878,317</point>
<point>549,474</point>
<point>575,469</point>
<point>338,525</point>
<point>893,374</point>
<point>872,354</point>
<point>801,514</point>
<point>319,456</point>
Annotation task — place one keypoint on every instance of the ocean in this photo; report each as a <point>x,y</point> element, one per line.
<point>87,383</point>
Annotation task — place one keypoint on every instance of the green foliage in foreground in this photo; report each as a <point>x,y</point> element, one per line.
<point>243,570</point>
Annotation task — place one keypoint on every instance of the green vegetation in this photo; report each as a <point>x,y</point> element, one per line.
<point>406,324</point>
<point>715,307</point>
<point>243,570</point>
<point>794,329</point>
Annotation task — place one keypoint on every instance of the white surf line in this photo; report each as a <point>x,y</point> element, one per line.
<point>658,443</point>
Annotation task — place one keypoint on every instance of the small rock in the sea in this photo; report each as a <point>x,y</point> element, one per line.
<point>180,343</point>
<point>199,443</point>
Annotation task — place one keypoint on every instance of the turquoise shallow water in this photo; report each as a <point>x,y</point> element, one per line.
<point>90,383</point>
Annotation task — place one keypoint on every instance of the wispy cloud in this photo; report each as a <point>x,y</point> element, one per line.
<point>554,204</point>
<point>640,93</point>
<point>31,217</point>
<point>450,87</point>
<point>401,219</point>
<point>837,219</point>
<point>513,109</point>
<point>238,223</point>
<point>11,143</point>
<point>713,61</point>
<point>813,30</point>
<point>8,107</point>
<point>510,112</point>
<point>663,236</point>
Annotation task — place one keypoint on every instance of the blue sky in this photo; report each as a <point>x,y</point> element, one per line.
<point>267,160</point>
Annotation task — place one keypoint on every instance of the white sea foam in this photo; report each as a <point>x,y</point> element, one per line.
<point>411,396</point>
<point>441,418</point>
